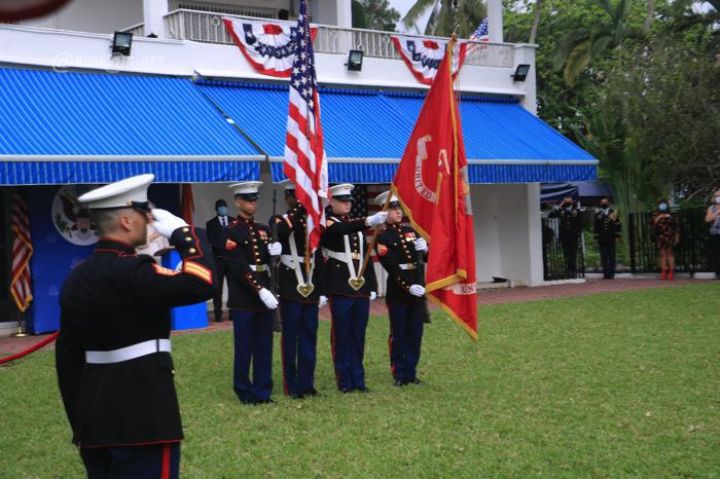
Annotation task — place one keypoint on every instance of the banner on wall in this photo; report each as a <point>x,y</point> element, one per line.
<point>423,56</point>
<point>268,46</point>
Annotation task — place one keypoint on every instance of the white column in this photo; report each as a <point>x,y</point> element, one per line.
<point>154,12</point>
<point>495,20</point>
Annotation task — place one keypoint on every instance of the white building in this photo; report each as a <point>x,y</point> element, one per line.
<point>152,108</point>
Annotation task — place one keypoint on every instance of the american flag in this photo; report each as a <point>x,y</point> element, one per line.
<point>305,162</point>
<point>481,32</point>
<point>22,250</point>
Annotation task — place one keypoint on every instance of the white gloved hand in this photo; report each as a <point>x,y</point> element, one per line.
<point>376,219</point>
<point>275,248</point>
<point>322,301</point>
<point>268,298</point>
<point>373,295</point>
<point>417,290</point>
<point>421,245</point>
<point>165,222</point>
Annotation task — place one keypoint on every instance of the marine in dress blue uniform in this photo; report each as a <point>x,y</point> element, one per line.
<point>113,358</point>
<point>344,246</point>
<point>400,249</point>
<point>250,300</point>
<point>300,299</point>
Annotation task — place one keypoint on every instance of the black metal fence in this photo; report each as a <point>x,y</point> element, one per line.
<point>637,253</point>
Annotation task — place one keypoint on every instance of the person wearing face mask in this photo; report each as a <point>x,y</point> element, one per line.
<point>570,230</point>
<point>607,231</point>
<point>712,218</point>
<point>216,235</point>
<point>667,236</point>
<point>400,249</point>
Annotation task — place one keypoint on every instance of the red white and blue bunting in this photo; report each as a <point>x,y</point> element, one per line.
<point>269,47</point>
<point>423,56</point>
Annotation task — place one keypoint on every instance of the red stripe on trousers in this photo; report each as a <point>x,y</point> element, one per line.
<point>165,472</point>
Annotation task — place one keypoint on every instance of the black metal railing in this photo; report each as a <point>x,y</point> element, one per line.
<point>636,251</point>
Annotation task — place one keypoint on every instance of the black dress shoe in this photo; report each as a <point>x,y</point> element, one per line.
<point>247,400</point>
<point>413,381</point>
<point>363,389</point>
<point>345,390</point>
<point>264,401</point>
<point>399,382</point>
<point>311,392</point>
<point>297,396</point>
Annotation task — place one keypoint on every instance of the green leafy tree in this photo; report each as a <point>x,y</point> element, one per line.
<point>374,15</point>
<point>447,16</point>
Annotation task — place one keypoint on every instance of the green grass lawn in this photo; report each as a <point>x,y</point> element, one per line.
<point>617,385</point>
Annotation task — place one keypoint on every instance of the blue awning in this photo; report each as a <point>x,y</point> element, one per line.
<point>58,128</point>
<point>366,132</point>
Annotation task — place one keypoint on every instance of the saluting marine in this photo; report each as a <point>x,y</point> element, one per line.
<point>344,246</point>
<point>251,302</point>
<point>300,299</point>
<point>607,230</point>
<point>113,353</point>
<point>400,250</point>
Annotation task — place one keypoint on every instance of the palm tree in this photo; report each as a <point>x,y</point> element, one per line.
<point>577,50</point>
<point>447,16</point>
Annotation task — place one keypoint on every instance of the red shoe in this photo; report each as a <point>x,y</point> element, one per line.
<point>670,275</point>
<point>662,275</point>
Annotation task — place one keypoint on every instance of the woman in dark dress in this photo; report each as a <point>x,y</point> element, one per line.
<point>667,236</point>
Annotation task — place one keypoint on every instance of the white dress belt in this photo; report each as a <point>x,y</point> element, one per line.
<point>407,266</point>
<point>340,256</point>
<point>259,268</point>
<point>289,260</point>
<point>129,352</point>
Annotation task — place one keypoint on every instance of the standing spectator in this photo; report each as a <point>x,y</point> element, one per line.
<point>216,235</point>
<point>570,229</point>
<point>712,217</point>
<point>607,230</point>
<point>667,236</point>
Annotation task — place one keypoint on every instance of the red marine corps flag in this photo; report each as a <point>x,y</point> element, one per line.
<point>431,183</point>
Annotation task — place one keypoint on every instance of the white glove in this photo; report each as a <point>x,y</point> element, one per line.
<point>420,244</point>
<point>165,222</point>
<point>376,219</point>
<point>268,298</point>
<point>322,301</point>
<point>373,295</point>
<point>417,290</point>
<point>275,249</point>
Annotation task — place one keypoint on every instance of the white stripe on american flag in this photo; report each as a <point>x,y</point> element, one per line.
<point>21,253</point>
<point>305,162</point>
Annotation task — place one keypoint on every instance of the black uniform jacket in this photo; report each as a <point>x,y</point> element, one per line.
<point>336,273</point>
<point>570,223</point>
<point>294,222</point>
<point>116,299</point>
<point>247,245</point>
<point>395,246</point>
<point>216,236</point>
<point>607,229</point>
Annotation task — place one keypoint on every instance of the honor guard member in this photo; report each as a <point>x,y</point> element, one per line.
<point>216,235</point>
<point>570,230</point>
<point>400,249</point>
<point>113,352</point>
<point>251,302</point>
<point>607,231</point>
<point>344,246</point>
<point>300,300</point>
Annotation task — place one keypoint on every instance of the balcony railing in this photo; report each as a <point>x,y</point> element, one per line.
<point>208,27</point>
<point>137,30</point>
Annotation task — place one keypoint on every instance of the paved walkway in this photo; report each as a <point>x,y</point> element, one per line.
<point>486,297</point>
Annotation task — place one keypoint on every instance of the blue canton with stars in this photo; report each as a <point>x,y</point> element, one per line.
<point>303,77</point>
